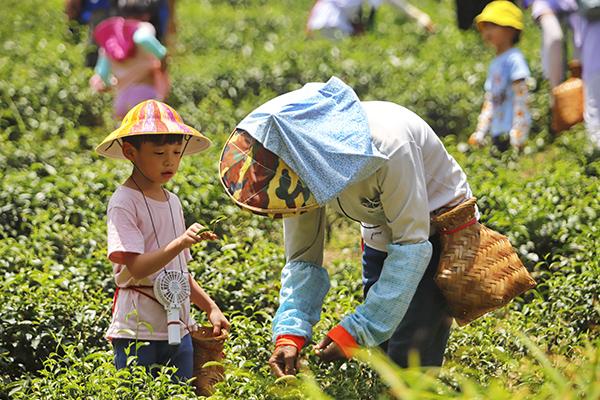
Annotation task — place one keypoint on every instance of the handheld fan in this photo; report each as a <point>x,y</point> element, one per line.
<point>171,289</point>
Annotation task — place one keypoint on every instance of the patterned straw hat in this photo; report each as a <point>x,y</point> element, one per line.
<point>259,181</point>
<point>152,117</point>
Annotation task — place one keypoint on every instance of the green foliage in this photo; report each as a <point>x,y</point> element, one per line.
<point>56,284</point>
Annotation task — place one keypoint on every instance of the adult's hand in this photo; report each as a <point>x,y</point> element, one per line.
<point>327,350</point>
<point>285,360</point>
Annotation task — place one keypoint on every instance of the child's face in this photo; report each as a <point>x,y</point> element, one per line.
<point>159,163</point>
<point>500,37</point>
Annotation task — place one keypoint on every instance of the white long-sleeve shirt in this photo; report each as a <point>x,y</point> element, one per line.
<point>395,202</point>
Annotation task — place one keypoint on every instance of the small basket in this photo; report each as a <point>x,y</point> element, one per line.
<point>208,347</point>
<point>479,271</point>
<point>567,109</point>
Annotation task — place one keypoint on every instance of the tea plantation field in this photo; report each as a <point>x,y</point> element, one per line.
<point>230,56</point>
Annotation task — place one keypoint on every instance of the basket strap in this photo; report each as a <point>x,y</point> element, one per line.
<point>459,228</point>
<point>138,290</point>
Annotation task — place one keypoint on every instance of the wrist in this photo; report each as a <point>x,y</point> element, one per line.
<point>344,340</point>
<point>179,244</point>
<point>290,340</point>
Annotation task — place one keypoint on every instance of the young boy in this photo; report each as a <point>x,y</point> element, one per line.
<point>504,113</point>
<point>147,235</point>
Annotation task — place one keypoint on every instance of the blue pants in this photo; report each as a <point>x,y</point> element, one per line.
<point>426,326</point>
<point>157,352</point>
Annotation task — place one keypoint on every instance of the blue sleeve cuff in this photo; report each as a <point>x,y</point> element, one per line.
<point>303,288</point>
<point>375,320</point>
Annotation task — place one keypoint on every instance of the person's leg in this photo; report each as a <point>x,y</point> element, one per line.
<point>501,142</point>
<point>180,356</point>
<point>426,326</point>
<point>591,113</point>
<point>552,48</point>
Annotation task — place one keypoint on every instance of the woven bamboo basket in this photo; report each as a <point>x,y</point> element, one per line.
<point>567,109</point>
<point>208,347</point>
<point>479,271</point>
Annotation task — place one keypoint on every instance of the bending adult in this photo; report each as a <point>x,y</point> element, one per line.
<point>379,164</point>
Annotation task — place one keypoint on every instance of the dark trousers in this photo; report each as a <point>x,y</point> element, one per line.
<point>426,326</point>
<point>157,352</point>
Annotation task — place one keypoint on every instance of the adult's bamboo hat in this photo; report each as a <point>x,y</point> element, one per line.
<point>152,117</point>
<point>259,181</point>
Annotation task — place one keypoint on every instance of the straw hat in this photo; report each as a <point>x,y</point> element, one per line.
<point>503,13</point>
<point>152,117</point>
<point>259,181</point>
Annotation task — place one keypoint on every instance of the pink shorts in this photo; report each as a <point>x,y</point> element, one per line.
<point>132,95</point>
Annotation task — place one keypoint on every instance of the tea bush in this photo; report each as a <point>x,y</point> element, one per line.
<point>230,56</point>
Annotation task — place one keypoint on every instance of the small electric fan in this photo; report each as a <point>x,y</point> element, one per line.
<point>172,289</point>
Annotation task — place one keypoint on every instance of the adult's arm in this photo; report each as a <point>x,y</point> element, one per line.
<point>304,282</point>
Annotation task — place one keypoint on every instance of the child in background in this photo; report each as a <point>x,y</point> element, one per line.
<point>505,112</point>
<point>131,53</point>
<point>147,235</point>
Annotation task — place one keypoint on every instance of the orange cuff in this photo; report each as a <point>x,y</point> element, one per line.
<point>344,340</point>
<point>290,340</point>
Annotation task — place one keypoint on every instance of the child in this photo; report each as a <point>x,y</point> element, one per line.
<point>504,112</point>
<point>147,235</point>
<point>130,51</point>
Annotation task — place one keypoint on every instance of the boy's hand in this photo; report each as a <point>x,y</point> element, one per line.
<point>195,234</point>
<point>218,321</point>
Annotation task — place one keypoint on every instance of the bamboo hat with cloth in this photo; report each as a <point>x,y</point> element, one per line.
<point>299,150</point>
<point>152,117</point>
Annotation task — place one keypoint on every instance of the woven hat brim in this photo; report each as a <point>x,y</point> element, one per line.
<point>112,146</point>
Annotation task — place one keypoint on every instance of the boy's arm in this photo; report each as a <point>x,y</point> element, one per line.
<point>484,121</point>
<point>520,123</point>
<point>142,265</point>
<point>200,298</point>
<point>145,264</point>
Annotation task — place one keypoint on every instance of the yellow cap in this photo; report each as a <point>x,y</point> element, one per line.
<point>503,13</point>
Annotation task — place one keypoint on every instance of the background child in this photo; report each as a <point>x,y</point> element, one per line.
<point>504,113</point>
<point>146,234</point>
<point>131,53</point>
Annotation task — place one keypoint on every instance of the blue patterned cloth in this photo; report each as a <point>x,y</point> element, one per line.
<point>375,320</point>
<point>321,131</point>
<point>303,288</point>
